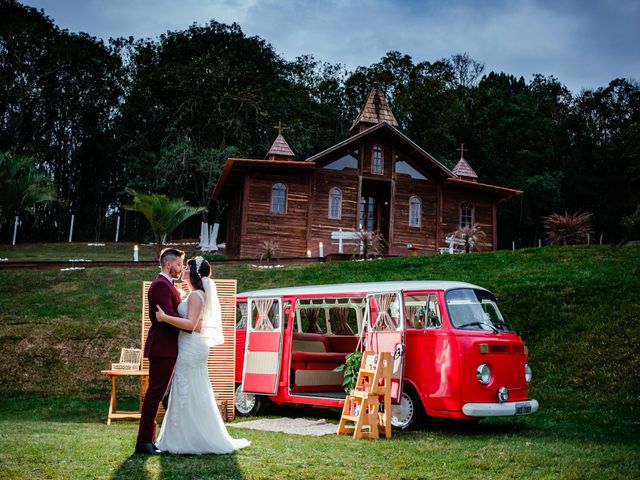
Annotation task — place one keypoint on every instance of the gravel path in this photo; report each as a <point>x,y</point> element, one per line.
<point>296,426</point>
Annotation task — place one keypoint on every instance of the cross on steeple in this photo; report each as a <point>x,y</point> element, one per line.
<point>462,150</point>
<point>279,127</point>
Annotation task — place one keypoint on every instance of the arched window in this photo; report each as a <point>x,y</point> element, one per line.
<point>279,198</point>
<point>466,214</point>
<point>377,160</point>
<point>415,211</point>
<point>335,203</point>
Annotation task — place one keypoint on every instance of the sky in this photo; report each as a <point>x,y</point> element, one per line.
<point>584,44</point>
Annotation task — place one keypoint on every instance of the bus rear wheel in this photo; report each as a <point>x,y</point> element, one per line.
<point>248,404</point>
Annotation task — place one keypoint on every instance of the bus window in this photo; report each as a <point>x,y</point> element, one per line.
<point>422,311</point>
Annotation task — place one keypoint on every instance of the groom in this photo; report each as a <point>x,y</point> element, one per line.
<point>161,346</point>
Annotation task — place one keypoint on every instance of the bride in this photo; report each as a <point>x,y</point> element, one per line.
<point>192,423</point>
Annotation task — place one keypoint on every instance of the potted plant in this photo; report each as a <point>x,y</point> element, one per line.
<point>350,367</point>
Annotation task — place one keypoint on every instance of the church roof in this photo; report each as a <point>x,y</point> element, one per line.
<point>502,193</point>
<point>393,131</point>
<point>463,169</point>
<point>375,110</point>
<point>280,148</point>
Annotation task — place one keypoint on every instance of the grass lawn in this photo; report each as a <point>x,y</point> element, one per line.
<point>577,309</point>
<point>65,438</point>
<point>62,252</point>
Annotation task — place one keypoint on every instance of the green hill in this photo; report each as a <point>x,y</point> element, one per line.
<point>577,309</point>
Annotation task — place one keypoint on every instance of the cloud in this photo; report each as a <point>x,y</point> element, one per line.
<point>584,43</point>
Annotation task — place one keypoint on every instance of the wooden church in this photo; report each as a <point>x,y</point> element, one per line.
<point>376,180</point>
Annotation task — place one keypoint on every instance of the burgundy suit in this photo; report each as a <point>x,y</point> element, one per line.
<point>161,348</point>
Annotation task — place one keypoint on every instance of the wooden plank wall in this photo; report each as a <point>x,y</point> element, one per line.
<point>367,156</point>
<point>290,229</point>
<point>221,361</point>
<point>321,224</point>
<point>483,205</point>
<point>234,224</point>
<point>422,238</point>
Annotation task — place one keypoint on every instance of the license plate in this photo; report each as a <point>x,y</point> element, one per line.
<point>523,408</point>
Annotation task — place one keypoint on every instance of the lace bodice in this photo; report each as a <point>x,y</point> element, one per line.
<point>184,305</point>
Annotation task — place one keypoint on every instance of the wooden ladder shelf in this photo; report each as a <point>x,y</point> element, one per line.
<point>367,409</point>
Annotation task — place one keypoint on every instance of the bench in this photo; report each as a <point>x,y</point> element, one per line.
<point>313,361</point>
<point>456,245</point>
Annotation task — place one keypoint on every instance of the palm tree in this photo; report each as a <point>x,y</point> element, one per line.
<point>22,186</point>
<point>471,235</point>
<point>163,213</point>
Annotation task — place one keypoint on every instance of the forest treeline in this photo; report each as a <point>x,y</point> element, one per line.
<point>162,115</point>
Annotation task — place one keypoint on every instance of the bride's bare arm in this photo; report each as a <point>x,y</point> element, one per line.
<point>194,309</point>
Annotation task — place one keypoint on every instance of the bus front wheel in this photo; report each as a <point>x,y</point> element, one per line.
<point>408,413</point>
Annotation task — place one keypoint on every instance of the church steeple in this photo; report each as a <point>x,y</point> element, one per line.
<point>280,149</point>
<point>375,110</point>
<point>462,168</point>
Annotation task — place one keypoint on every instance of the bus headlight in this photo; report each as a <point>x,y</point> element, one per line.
<point>527,373</point>
<point>483,374</point>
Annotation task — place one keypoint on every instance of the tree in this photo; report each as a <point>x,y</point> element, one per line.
<point>472,236</point>
<point>163,214</point>
<point>22,186</point>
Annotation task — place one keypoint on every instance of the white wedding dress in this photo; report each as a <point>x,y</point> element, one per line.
<point>192,423</point>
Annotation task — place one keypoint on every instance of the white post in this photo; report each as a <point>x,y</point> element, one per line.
<point>513,245</point>
<point>588,239</point>
<point>539,243</point>
<point>15,229</point>
<point>213,237</point>
<point>203,234</point>
<point>135,253</point>
<point>73,217</point>
<point>601,238</point>
<point>308,253</point>
<point>320,250</point>
<point>340,241</point>
<point>205,241</point>
<point>117,228</point>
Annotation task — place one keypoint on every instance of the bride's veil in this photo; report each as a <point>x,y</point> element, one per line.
<point>212,315</point>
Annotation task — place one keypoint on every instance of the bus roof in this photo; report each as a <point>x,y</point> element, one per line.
<point>358,288</point>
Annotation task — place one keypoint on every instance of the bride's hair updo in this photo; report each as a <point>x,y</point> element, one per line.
<point>198,269</point>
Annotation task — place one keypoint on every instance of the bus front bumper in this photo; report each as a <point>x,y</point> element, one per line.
<point>505,409</point>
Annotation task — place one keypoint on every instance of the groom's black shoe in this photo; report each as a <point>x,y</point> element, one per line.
<point>148,449</point>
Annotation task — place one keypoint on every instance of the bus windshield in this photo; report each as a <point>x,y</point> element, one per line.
<point>471,309</point>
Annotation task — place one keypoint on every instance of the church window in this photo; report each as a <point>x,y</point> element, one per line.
<point>376,160</point>
<point>415,211</point>
<point>466,214</point>
<point>335,203</point>
<point>279,198</point>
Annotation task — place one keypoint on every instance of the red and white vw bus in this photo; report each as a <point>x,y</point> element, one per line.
<point>455,355</point>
